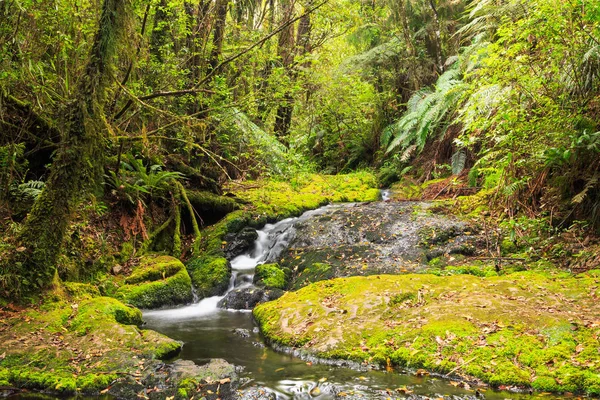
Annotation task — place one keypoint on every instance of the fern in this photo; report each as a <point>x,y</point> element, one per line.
<point>28,191</point>
<point>581,196</point>
<point>426,112</point>
<point>459,159</point>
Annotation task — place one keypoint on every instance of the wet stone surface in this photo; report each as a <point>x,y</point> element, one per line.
<point>373,238</point>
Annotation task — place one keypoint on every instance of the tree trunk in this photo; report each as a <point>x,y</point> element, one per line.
<point>79,160</point>
<point>218,33</point>
<point>285,51</point>
<point>302,46</point>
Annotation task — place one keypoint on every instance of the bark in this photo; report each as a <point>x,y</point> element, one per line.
<point>79,160</point>
<point>438,38</point>
<point>290,48</point>
<point>218,33</point>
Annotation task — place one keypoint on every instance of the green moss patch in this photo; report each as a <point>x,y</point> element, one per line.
<point>210,275</point>
<point>156,282</point>
<point>270,276</point>
<point>526,329</point>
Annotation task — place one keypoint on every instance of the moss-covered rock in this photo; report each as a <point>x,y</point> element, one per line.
<point>527,329</point>
<point>268,201</point>
<point>313,273</point>
<point>270,276</point>
<point>78,345</point>
<point>210,275</point>
<point>158,281</point>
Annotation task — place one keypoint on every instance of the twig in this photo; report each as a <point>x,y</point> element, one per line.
<point>462,365</point>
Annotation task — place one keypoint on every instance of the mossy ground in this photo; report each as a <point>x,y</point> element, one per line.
<point>76,343</point>
<point>528,329</point>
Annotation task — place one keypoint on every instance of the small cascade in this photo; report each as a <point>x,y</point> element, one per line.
<point>386,194</point>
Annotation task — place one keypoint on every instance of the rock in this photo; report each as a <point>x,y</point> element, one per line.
<point>117,269</point>
<point>256,393</point>
<point>371,239</point>
<point>244,333</point>
<point>238,243</point>
<point>217,379</point>
<point>271,276</point>
<point>210,275</point>
<point>248,298</point>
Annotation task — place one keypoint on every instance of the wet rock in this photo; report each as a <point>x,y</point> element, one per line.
<point>256,393</point>
<point>244,333</point>
<point>371,239</point>
<point>248,298</point>
<point>238,243</point>
<point>217,379</point>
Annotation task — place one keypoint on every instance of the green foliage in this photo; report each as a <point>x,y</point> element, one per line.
<point>135,182</point>
<point>425,115</point>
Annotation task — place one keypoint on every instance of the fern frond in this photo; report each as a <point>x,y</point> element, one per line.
<point>459,159</point>
<point>581,196</point>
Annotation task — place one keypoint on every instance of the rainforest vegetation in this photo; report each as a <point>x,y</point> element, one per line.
<point>137,135</point>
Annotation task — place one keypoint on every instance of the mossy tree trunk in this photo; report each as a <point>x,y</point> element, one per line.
<point>78,163</point>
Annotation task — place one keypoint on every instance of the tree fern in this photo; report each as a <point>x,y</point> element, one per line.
<point>426,111</point>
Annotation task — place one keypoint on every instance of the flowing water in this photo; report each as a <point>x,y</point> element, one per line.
<point>210,332</point>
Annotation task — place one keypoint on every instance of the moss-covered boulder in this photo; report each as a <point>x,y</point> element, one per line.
<point>270,276</point>
<point>158,281</point>
<point>210,275</point>
<point>78,345</point>
<point>525,329</point>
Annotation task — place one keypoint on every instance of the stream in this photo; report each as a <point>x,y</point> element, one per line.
<point>208,332</point>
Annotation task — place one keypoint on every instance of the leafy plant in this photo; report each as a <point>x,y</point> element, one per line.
<point>135,182</point>
<point>425,114</point>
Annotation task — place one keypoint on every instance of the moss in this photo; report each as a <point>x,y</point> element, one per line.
<point>93,383</point>
<point>514,329</point>
<point>156,282</point>
<point>127,251</point>
<point>210,275</point>
<point>81,290</point>
<point>270,276</point>
<point>154,268</point>
<point>508,247</point>
<point>314,273</point>
<point>163,350</point>
<point>207,201</point>
<point>78,344</point>
<point>170,291</point>
<point>100,310</point>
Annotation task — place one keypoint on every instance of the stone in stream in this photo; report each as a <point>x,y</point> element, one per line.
<point>248,298</point>
<point>238,243</point>
<point>373,238</point>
